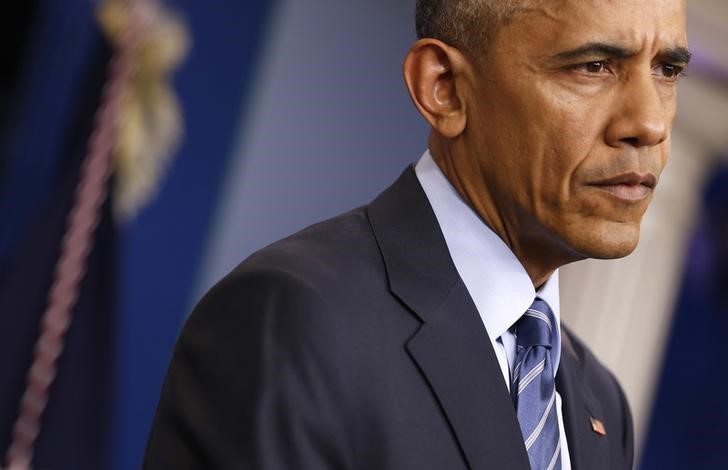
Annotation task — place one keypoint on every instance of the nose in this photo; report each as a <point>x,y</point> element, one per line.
<point>644,114</point>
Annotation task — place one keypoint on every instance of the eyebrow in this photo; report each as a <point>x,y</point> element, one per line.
<point>679,54</point>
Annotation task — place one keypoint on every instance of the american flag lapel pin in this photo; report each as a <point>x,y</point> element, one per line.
<point>597,426</point>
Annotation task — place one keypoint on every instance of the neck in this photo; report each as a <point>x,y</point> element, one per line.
<point>538,251</point>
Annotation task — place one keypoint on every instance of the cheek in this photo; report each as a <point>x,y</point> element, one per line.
<point>541,137</point>
<point>568,145</point>
<point>664,156</point>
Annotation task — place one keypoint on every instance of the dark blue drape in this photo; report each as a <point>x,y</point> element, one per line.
<point>136,292</point>
<point>58,56</point>
<point>163,247</point>
<point>688,428</point>
<point>44,139</point>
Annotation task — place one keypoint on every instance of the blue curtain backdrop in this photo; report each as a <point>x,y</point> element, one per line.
<point>688,428</point>
<point>161,250</point>
<point>136,292</point>
<point>49,103</point>
<point>58,54</point>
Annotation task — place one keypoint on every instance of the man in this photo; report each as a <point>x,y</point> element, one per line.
<point>422,331</point>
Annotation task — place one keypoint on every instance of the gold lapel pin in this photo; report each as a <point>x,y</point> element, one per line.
<point>598,426</point>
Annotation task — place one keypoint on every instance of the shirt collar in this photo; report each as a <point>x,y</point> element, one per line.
<point>497,282</point>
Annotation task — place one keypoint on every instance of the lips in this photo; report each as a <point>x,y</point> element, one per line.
<point>630,187</point>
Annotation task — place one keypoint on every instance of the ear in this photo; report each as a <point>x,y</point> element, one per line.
<point>434,72</point>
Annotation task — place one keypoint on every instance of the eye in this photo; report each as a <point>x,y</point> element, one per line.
<point>597,66</point>
<point>670,71</point>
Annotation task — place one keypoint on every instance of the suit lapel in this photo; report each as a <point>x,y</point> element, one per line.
<point>453,351</point>
<point>451,348</point>
<point>588,449</point>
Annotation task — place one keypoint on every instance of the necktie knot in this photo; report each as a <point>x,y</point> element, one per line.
<point>536,326</point>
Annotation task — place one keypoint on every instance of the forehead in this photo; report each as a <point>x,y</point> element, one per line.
<point>634,23</point>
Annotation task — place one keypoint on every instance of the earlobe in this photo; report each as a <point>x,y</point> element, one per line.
<point>432,71</point>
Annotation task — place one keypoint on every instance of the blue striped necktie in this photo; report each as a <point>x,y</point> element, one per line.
<point>533,387</point>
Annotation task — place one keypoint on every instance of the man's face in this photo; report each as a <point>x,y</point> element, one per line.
<point>569,119</point>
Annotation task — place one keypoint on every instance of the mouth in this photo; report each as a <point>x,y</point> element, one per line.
<point>628,187</point>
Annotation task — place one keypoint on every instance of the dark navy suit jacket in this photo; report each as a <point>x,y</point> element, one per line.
<point>354,344</point>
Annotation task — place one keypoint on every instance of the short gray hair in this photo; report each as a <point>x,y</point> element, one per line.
<point>469,25</point>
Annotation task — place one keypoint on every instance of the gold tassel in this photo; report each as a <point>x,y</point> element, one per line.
<point>150,128</point>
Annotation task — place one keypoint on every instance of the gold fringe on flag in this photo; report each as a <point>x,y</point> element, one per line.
<point>150,126</point>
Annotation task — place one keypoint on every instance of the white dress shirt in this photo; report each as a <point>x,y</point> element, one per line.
<point>497,282</point>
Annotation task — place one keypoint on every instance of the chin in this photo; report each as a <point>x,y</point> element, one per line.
<point>606,241</point>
